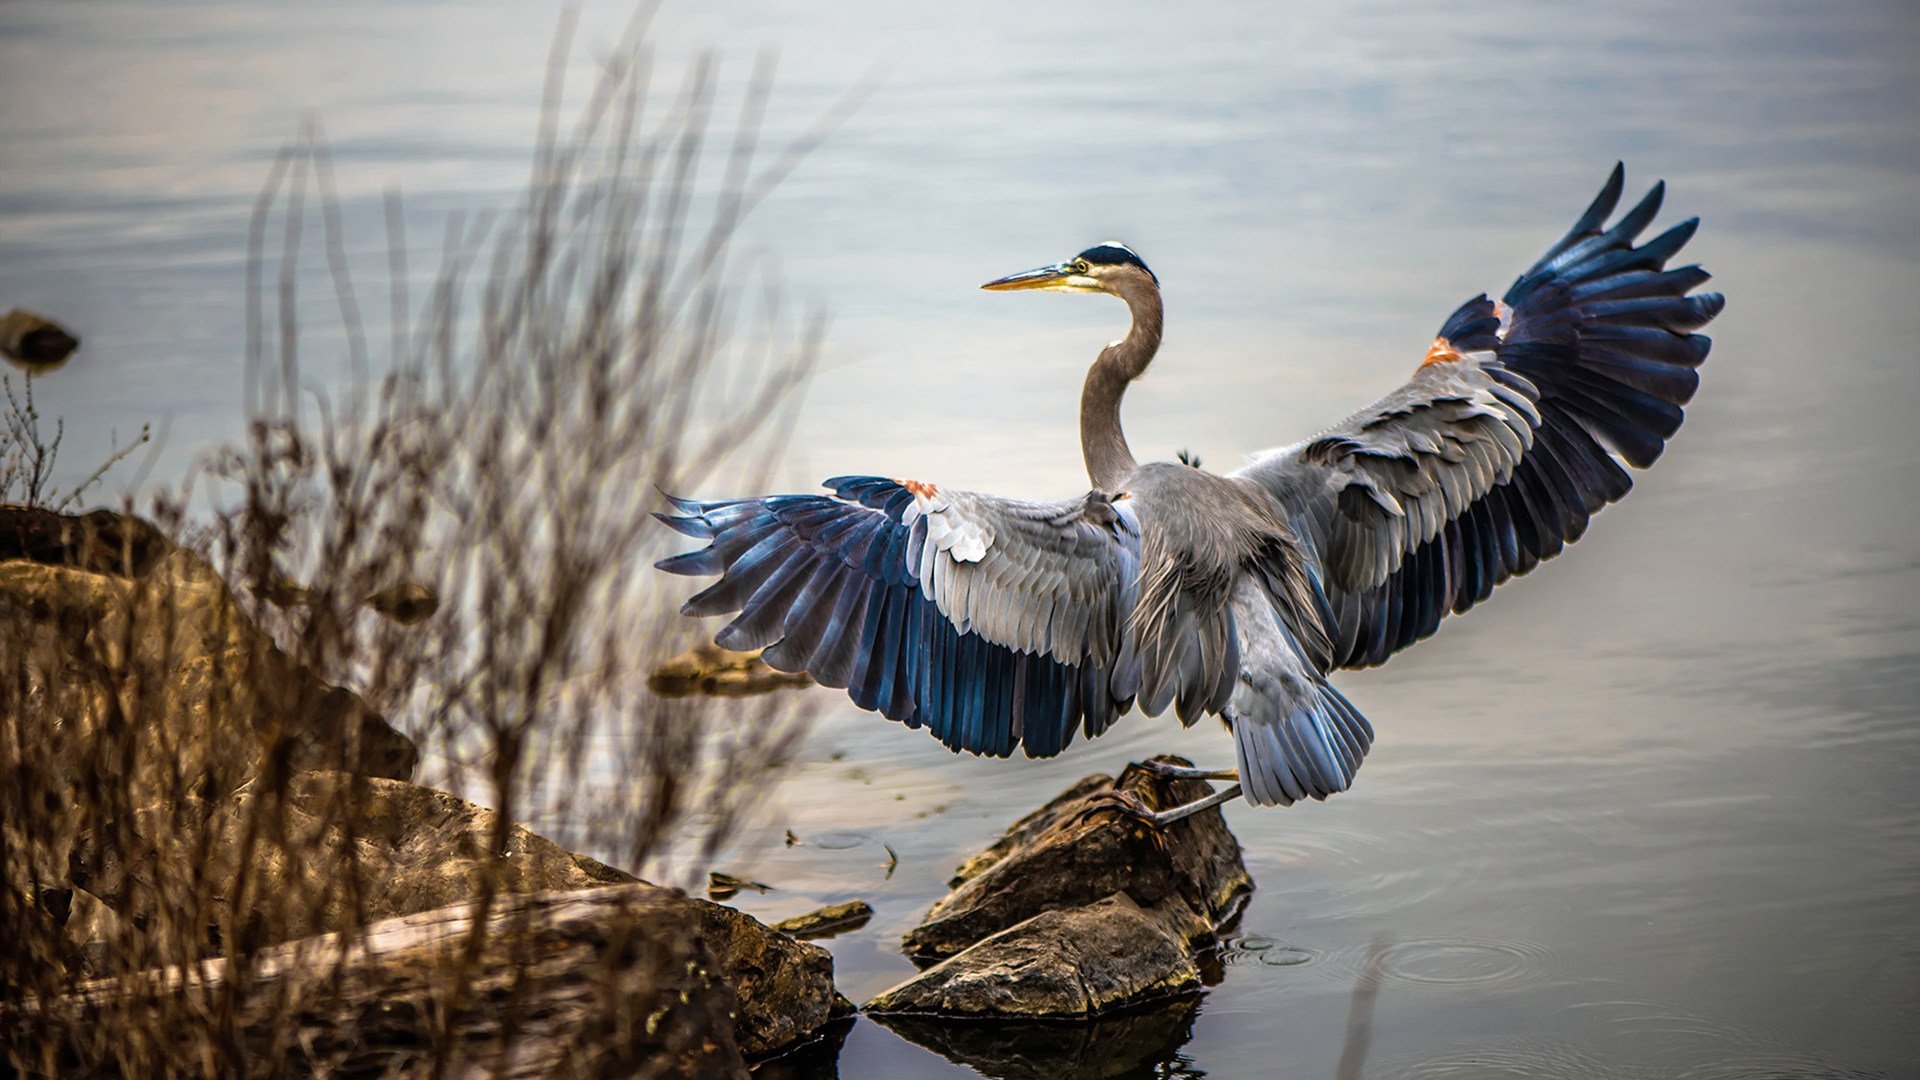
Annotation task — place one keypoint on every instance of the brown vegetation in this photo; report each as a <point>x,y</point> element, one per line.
<point>211,720</point>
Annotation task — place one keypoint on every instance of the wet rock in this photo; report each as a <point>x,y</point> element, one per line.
<point>611,982</point>
<point>281,804</point>
<point>827,921</point>
<point>783,988</point>
<point>1058,857</point>
<point>1079,911</point>
<point>1021,833</point>
<point>1072,962</point>
<point>339,850</point>
<point>34,341</point>
<point>1136,1042</point>
<point>710,669</point>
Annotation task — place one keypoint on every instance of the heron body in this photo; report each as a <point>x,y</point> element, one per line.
<point>999,623</point>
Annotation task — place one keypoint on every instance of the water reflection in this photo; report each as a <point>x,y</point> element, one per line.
<point>818,1059</point>
<point>1138,1043</point>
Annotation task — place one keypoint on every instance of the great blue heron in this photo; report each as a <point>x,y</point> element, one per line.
<point>997,623</point>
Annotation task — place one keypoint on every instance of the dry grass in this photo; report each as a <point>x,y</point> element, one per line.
<point>28,455</point>
<point>581,351</point>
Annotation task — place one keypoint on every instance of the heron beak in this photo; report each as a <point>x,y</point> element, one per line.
<point>1056,278</point>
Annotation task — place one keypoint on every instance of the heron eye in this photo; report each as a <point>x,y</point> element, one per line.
<point>1080,266</point>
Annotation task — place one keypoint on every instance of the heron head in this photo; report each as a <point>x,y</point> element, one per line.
<point>1108,267</point>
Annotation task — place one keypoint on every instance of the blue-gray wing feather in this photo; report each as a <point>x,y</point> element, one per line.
<point>1496,458</point>
<point>991,622</point>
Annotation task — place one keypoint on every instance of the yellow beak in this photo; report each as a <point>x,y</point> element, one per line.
<point>1060,277</point>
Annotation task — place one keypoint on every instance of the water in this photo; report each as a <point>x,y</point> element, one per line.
<point>1653,812</point>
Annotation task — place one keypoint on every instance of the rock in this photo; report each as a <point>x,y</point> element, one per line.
<point>827,921</point>
<point>405,850</point>
<point>710,669</point>
<point>191,785</point>
<point>333,852</point>
<point>1021,833</point>
<point>1071,963</point>
<point>33,341</point>
<point>611,982</point>
<point>99,542</point>
<point>433,848</point>
<point>784,988</point>
<point>1079,911</point>
<point>90,926</point>
<point>148,642</point>
<point>1053,859</point>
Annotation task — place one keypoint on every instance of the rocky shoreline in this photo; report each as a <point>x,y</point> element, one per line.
<point>383,886</point>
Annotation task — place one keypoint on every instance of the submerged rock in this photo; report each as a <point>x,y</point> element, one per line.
<point>34,341</point>
<point>1079,911</point>
<point>827,921</point>
<point>710,669</point>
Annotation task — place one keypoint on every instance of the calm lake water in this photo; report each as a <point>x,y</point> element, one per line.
<point>1653,812</point>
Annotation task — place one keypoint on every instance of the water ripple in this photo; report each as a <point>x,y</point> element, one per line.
<point>1260,949</point>
<point>1442,964</point>
<point>1663,1044</point>
<point>842,840</point>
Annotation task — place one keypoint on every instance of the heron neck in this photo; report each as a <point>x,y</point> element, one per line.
<point>1102,443</point>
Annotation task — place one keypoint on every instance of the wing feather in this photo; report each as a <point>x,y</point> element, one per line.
<point>1497,453</point>
<point>991,622</point>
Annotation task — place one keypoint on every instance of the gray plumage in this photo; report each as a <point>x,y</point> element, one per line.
<point>997,622</point>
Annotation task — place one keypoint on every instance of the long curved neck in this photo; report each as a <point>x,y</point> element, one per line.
<point>1102,443</point>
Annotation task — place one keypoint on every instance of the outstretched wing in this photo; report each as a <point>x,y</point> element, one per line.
<point>1502,445</point>
<point>991,622</point>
